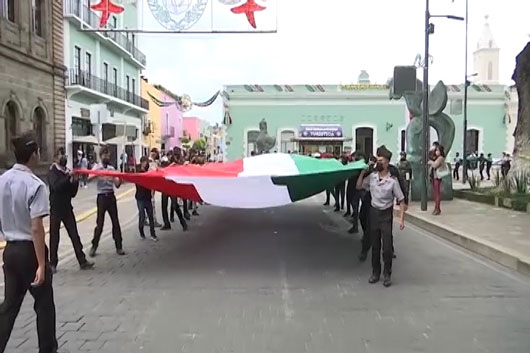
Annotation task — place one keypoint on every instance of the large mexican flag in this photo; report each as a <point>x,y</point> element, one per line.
<point>262,181</point>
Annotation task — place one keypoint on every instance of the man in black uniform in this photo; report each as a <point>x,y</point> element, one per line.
<point>23,204</point>
<point>63,187</point>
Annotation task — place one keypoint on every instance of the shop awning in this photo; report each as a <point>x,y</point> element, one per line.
<point>87,139</point>
<point>121,140</point>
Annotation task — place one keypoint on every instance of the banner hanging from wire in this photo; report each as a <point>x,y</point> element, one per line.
<point>185,16</point>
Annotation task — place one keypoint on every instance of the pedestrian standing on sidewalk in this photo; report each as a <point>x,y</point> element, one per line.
<point>63,187</point>
<point>457,161</point>
<point>106,202</point>
<point>438,171</point>
<point>489,163</point>
<point>384,189</point>
<point>23,205</point>
<point>143,200</point>
<point>481,165</point>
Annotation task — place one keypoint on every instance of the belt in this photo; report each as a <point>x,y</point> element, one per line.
<point>110,193</point>
<point>19,241</point>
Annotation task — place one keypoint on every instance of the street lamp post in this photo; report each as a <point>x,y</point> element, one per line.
<point>429,29</point>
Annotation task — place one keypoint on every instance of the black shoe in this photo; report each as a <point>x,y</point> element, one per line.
<point>185,227</point>
<point>387,281</point>
<point>87,265</point>
<point>187,216</point>
<point>172,219</point>
<point>142,236</point>
<point>363,256</point>
<point>337,210</point>
<point>326,203</point>
<point>92,252</point>
<point>53,268</point>
<point>166,227</point>
<point>157,225</point>
<point>120,252</point>
<point>347,214</point>
<point>373,279</point>
<point>195,213</point>
<point>353,230</point>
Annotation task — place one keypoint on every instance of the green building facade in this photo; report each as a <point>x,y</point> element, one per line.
<point>342,118</point>
<point>104,103</point>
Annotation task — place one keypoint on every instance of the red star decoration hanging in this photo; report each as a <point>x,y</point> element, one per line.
<point>248,9</point>
<point>106,7</point>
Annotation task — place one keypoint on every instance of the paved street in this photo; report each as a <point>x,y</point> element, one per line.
<point>280,280</point>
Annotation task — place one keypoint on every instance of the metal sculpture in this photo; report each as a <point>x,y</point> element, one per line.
<point>444,126</point>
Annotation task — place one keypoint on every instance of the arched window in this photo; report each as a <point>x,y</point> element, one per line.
<point>252,137</point>
<point>472,141</point>
<point>490,71</point>
<point>11,116</point>
<point>287,141</point>
<point>39,127</point>
<point>364,140</point>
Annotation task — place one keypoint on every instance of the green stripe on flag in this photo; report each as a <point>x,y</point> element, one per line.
<point>316,175</point>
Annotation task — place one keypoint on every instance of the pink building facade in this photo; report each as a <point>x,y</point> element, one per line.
<point>192,127</point>
<point>172,125</point>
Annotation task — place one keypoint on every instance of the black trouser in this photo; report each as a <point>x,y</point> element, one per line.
<point>350,190</point>
<point>20,266</point>
<point>186,205</point>
<point>67,217</point>
<point>381,232</point>
<point>330,191</point>
<point>488,170</point>
<point>340,191</point>
<point>146,206</point>
<point>107,203</point>
<point>456,172</point>
<point>481,169</point>
<point>364,217</point>
<point>174,208</point>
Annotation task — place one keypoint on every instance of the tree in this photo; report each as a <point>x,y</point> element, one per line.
<point>521,76</point>
<point>199,145</point>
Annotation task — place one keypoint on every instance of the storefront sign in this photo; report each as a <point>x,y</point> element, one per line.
<point>321,131</point>
<point>363,87</point>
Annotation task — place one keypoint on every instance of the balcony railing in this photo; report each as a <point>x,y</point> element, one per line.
<point>76,8</point>
<point>85,79</point>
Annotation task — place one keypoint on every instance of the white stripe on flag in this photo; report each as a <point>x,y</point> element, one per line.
<point>274,164</point>
<point>241,192</point>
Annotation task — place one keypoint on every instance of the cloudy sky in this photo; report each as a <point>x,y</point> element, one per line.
<point>329,42</point>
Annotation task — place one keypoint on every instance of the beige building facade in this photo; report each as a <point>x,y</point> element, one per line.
<point>32,95</point>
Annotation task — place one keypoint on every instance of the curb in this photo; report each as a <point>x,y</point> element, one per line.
<point>491,251</point>
<point>83,216</point>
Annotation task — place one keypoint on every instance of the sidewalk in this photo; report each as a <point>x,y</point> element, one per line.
<point>499,234</point>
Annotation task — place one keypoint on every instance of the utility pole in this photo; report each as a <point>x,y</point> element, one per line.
<point>466,85</point>
<point>425,125</point>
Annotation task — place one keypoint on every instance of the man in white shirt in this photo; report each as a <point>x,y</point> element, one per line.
<point>23,205</point>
